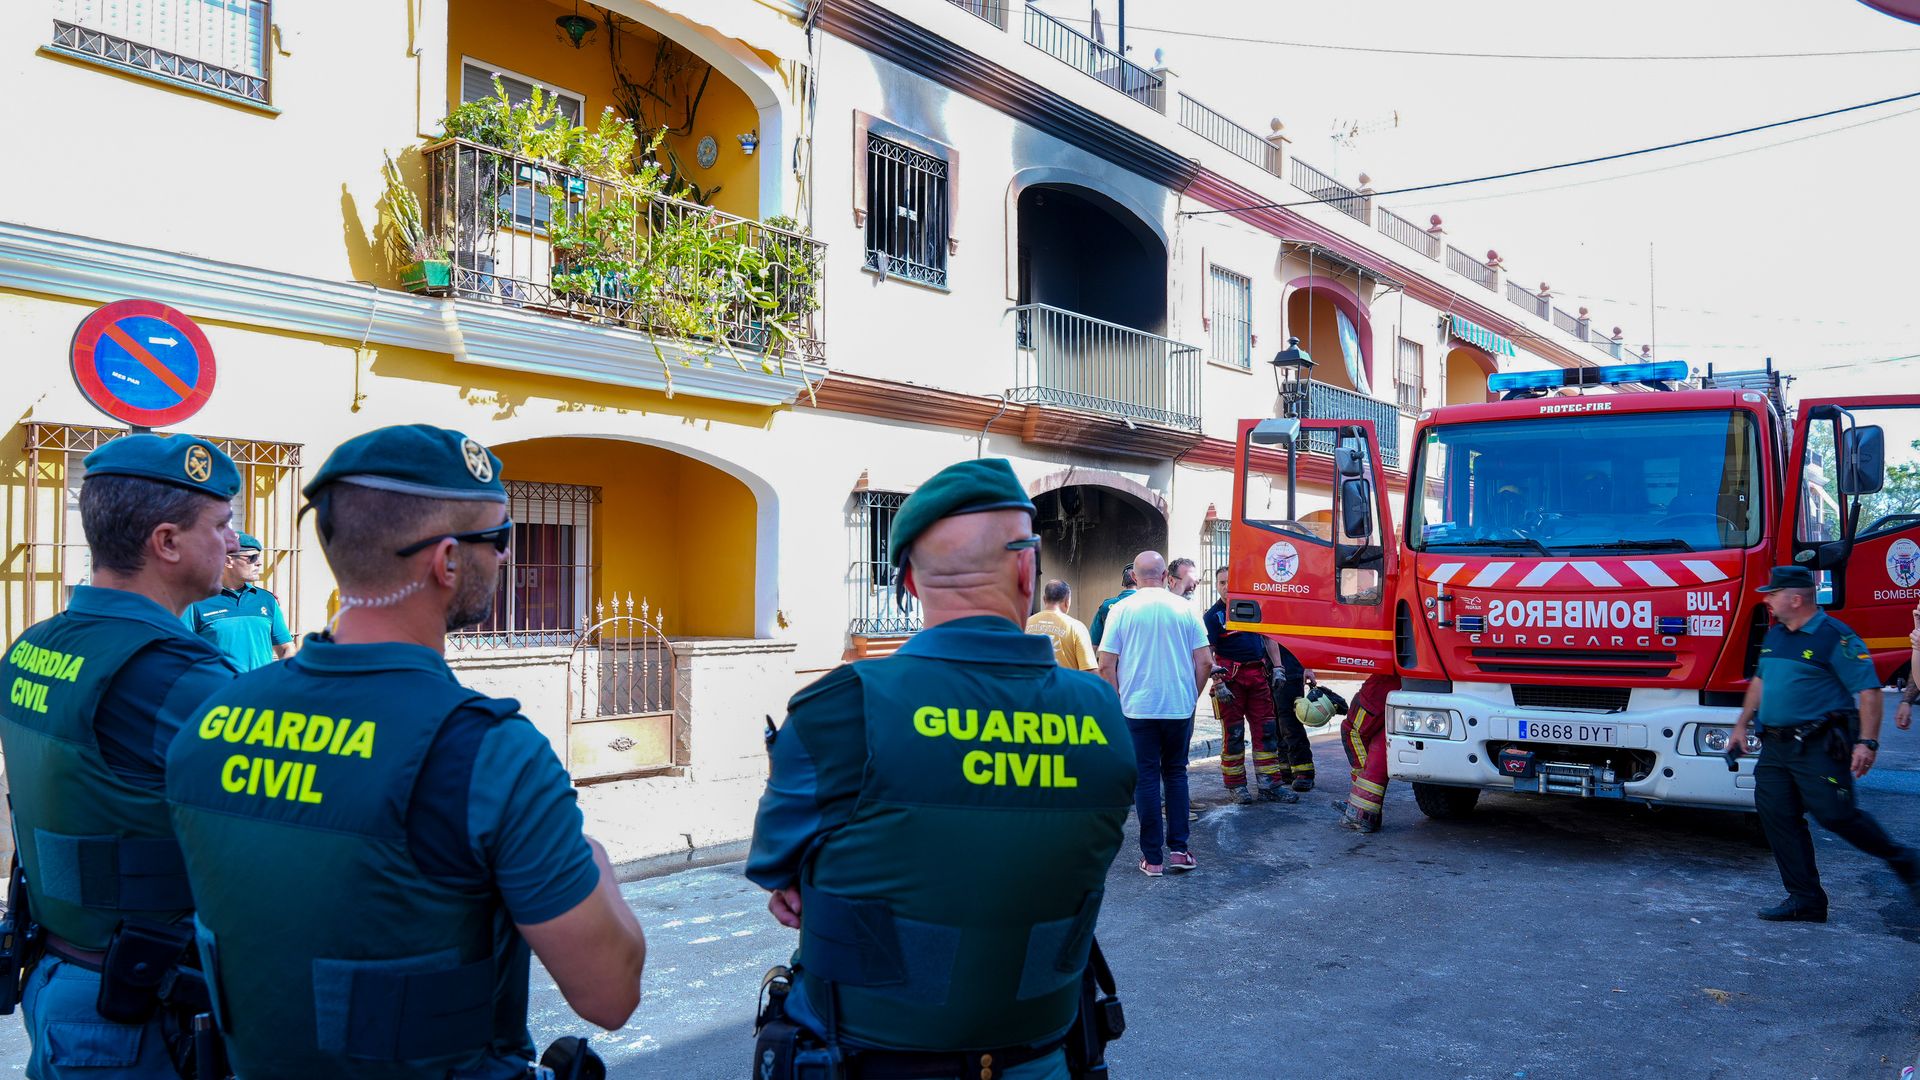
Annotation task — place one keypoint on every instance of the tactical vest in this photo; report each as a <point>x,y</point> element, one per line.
<point>328,950</point>
<point>955,908</point>
<point>96,848</point>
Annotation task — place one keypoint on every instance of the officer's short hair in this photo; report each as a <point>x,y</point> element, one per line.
<point>361,527</point>
<point>1127,580</point>
<point>119,513</point>
<point>1056,591</point>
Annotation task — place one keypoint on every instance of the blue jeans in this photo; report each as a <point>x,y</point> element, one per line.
<point>1160,751</point>
<point>70,1039</point>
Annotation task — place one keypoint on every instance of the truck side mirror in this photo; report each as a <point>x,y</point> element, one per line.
<point>1356,509</point>
<point>1347,462</point>
<point>1863,460</point>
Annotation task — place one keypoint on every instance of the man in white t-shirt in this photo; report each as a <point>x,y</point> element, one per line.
<point>1155,653</point>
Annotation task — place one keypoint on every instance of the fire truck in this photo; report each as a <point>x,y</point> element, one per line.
<point>1567,590</point>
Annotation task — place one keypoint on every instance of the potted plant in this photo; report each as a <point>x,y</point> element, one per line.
<point>424,259</point>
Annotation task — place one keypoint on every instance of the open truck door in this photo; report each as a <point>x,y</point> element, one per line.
<point>1314,568</point>
<point>1852,514</point>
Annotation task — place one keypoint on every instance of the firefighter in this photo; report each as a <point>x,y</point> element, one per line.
<point>1814,746</point>
<point>1243,701</point>
<point>1363,735</point>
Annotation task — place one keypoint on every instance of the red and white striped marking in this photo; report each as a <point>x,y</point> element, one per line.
<point>1595,573</point>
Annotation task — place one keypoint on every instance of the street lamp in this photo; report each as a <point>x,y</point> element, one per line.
<point>1292,371</point>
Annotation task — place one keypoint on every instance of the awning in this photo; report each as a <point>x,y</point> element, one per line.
<point>1474,334</point>
<point>771,26</point>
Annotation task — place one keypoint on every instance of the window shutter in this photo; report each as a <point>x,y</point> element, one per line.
<point>476,82</point>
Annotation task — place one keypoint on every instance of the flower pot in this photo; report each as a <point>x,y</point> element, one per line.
<point>429,275</point>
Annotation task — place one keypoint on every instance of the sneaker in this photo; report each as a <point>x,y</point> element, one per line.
<point>1278,794</point>
<point>1240,796</point>
<point>1303,782</point>
<point>1151,869</point>
<point>1791,910</point>
<point>1179,862</point>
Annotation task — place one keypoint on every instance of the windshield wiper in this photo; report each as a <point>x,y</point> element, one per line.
<point>1505,542</point>
<point>1636,545</point>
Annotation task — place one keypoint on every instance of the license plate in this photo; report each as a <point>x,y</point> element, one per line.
<point>1568,731</point>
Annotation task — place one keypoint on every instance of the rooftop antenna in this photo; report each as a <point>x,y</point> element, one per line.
<point>1346,134</point>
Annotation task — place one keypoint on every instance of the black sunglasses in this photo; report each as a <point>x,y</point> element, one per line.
<point>499,536</point>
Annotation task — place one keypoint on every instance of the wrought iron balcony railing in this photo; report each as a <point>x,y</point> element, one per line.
<point>1324,402</point>
<point>531,234</point>
<point>1523,297</point>
<point>1408,233</point>
<point>992,11</point>
<point>1470,268</point>
<point>1075,49</point>
<point>1328,190</point>
<point>1062,358</point>
<point>1229,136</point>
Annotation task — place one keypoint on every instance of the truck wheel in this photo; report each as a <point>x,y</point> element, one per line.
<point>1442,803</point>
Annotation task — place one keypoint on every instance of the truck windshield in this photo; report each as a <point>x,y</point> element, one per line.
<point>1678,481</point>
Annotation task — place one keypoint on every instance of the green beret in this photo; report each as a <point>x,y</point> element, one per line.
<point>180,460</point>
<point>249,542</point>
<point>414,459</point>
<point>1788,577</point>
<point>970,487</point>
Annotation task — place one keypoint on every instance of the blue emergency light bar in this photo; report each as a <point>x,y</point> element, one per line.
<point>1526,383</point>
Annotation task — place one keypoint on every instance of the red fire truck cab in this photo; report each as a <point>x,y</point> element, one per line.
<point>1571,575</point>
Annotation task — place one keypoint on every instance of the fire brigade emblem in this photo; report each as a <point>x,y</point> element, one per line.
<point>1283,561</point>
<point>1903,563</point>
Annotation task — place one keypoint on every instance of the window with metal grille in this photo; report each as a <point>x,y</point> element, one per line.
<point>1408,372</point>
<point>532,207</point>
<point>870,578</point>
<point>1214,554</point>
<point>1230,325</point>
<point>542,597</point>
<point>54,546</point>
<point>906,212</point>
<point>217,45</point>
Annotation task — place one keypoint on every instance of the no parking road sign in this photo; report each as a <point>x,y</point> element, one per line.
<point>143,363</point>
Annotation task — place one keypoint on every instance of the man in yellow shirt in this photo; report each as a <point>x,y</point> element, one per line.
<point>1072,647</point>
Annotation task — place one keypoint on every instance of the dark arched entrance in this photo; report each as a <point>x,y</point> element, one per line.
<point>1088,532</point>
<point>1082,252</point>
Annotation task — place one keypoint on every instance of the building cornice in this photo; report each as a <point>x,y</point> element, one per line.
<point>896,39</point>
<point>86,269</point>
<point>1222,193</point>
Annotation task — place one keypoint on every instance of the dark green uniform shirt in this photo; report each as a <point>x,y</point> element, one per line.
<point>1809,672</point>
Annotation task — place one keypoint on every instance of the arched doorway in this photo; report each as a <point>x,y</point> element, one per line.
<point>599,519</point>
<point>1467,368</point>
<point>1333,326</point>
<point>1089,532</point>
<point>1083,252</point>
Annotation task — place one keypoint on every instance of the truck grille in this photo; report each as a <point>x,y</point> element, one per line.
<point>1594,698</point>
<point>1598,663</point>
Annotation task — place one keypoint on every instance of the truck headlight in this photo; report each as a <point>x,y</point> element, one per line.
<point>1422,723</point>
<point>1714,739</point>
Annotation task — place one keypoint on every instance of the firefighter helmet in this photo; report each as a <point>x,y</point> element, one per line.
<point>1318,706</point>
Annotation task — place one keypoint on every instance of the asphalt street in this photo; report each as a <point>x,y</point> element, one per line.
<point>1540,938</point>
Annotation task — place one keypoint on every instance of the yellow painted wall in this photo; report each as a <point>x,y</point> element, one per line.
<point>521,37</point>
<point>1466,380</point>
<point>675,531</point>
<point>1312,317</point>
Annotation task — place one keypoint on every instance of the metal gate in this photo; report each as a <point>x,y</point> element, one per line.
<point>623,714</point>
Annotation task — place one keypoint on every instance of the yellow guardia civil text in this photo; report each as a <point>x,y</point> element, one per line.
<point>275,777</point>
<point>45,663</point>
<point>1003,768</point>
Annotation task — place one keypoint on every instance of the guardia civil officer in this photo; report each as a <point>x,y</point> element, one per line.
<point>97,692</point>
<point>373,845</point>
<point>939,823</point>
<point>1810,753</point>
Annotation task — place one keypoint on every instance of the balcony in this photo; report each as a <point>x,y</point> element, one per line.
<point>1406,232</point>
<point>1229,136</point>
<point>529,233</point>
<point>1522,297</point>
<point>1330,191</point>
<point>1323,402</point>
<point>990,11</point>
<point>1470,268</point>
<point>1077,50</point>
<point>1066,359</point>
